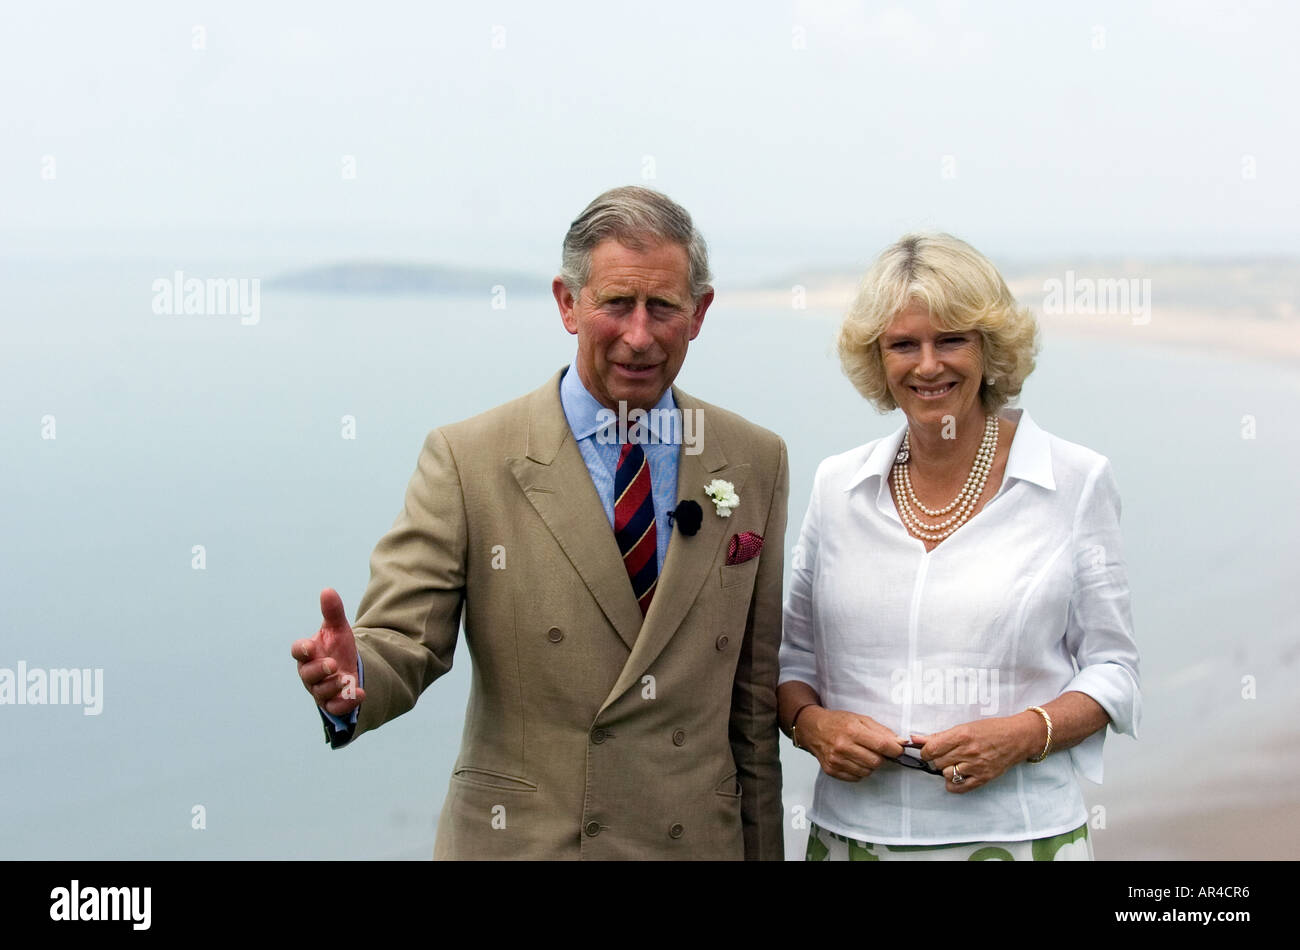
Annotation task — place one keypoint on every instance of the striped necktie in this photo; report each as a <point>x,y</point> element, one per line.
<point>634,522</point>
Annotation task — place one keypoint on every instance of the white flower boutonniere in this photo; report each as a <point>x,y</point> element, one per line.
<point>723,495</point>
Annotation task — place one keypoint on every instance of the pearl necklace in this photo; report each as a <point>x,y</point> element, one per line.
<point>965,501</point>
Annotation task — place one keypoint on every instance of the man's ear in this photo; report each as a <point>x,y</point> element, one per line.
<point>564,300</point>
<point>697,318</point>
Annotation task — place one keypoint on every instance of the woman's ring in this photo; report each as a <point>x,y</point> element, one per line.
<point>957,777</point>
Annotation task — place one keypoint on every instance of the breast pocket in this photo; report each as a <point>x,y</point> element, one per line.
<point>739,575</point>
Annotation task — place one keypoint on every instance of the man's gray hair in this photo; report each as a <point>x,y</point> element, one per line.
<point>635,217</point>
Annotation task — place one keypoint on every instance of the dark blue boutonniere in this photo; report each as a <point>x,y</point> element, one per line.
<point>688,516</point>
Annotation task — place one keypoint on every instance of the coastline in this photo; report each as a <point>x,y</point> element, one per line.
<point>1187,806</point>
<point>1245,309</point>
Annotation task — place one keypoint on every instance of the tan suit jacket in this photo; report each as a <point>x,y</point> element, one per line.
<point>589,732</point>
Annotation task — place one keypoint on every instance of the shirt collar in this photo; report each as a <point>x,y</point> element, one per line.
<point>587,416</point>
<point>1030,459</point>
<point>879,461</point>
<point>1031,453</point>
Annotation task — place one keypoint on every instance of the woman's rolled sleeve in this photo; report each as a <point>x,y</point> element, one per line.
<point>1099,633</point>
<point>798,654</point>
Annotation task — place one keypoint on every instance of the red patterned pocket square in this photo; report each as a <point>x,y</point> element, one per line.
<point>744,546</point>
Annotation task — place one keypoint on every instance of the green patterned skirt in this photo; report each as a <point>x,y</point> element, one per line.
<point>1073,845</point>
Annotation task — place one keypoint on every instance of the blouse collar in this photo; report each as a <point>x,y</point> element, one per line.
<point>1030,459</point>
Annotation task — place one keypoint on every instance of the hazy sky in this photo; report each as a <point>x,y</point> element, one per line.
<point>804,133</point>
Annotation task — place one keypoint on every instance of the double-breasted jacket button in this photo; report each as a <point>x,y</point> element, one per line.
<point>679,737</point>
<point>721,643</point>
<point>592,829</point>
<point>555,634</point>
<point>676,831</point>
<point>599,735</point>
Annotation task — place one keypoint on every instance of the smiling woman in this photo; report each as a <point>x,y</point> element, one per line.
<point>970,543</point>
<point>931,371</point>
<point>961,292</point>
<point>936,332</point>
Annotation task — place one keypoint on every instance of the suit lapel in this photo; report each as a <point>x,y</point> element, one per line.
<point>690,561</point>
<point>555,480</point>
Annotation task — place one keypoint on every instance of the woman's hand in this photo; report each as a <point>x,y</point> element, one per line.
<point>848,746</point>
<point>982,750</point>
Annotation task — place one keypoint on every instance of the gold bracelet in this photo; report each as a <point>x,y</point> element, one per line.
<point>1047,746</point>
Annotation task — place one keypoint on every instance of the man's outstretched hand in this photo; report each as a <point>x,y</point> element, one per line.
<point>327,663</point>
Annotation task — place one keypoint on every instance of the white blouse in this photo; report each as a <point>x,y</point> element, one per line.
<point>1027,600</point>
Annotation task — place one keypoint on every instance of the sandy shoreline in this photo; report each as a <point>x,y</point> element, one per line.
<point>1173,818</point>
<point>1249,831</point>
<point>1246,309</point>
<point>1227,793</point>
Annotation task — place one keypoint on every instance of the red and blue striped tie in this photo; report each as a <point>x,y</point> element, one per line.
<point>634,523</point>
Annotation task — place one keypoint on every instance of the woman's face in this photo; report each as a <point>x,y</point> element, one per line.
<point>932,374</point>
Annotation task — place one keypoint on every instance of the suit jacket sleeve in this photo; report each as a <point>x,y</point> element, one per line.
<point>754,731</point>
<point>409,617</point>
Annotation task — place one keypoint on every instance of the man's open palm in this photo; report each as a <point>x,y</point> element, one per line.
<point>327,663</point>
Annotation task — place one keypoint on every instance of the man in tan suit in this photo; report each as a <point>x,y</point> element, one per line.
<point>623,622</point>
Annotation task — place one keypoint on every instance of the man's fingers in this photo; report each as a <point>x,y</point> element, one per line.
<point>343,706</point>
<point>331,609</point>
<point>326,689</point>
<point>338,684</point>
<point>317,671</point>
<point>336,691</point>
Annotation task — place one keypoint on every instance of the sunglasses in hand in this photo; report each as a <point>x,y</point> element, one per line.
<point>910,761</point>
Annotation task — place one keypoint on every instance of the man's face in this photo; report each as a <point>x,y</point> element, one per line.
<point>633,319</point>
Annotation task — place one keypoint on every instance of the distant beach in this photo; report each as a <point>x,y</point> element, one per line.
<point>1227,793</point>
<point>1248,308</point>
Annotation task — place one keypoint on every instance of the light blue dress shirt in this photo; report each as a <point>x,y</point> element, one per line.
<point>598,444</point>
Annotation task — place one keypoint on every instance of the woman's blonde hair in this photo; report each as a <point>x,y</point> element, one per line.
<point>963,291</point>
